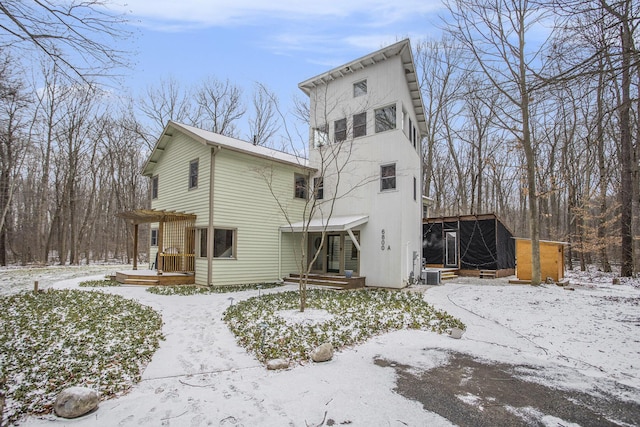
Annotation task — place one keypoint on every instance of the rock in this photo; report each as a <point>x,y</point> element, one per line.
<point>73,402</point>
<point>277,364</point>
<point>322,353</point>
<point>456,333</point>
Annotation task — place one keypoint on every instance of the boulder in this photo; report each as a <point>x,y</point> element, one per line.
<point>73,402</point>
<point>322,353</point>
<point>277,364</point>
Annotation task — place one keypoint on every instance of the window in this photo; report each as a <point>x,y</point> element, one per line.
<point>318,185</point>
<point>202,242</point>
<point>154,187</point>
<point>340,130</point>
<point>410,127</point>
<point>300,186</point>
<point>223,243</point>
<point>193,174</point>
<point>359,124</point>
<point>359,88</point>
<point>388,177</point>
<point>320,136</point>
<point>415,138</point>
<point>415,189</point>
<point>385,118</point>
<point>154,237</point>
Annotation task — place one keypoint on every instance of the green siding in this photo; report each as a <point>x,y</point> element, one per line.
<point>245,191</point>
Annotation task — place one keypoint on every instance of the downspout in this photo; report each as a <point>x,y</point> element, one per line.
<point>212,169</point>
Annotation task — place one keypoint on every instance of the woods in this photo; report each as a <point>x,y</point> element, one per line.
<point>532,110</point>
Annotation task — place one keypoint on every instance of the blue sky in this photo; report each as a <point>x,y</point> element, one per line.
<point>278,43</point>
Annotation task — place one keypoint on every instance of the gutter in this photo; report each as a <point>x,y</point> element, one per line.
<point>212,169</point>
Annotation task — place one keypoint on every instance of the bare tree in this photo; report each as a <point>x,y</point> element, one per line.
<point>77,35</point>
<point>495,34</point>
<point>219,106</point>
<point>263,125</point>
<point>166,101</point>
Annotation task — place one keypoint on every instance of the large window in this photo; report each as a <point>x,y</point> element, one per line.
<point>340,130</point>
<point>388,177</point>
<point>154,187</point>
<point>320,136</point>
<point>360,88</point>
<point>224,243</point>
<point>300,186</point>
<point>385,118</point>
<point>359,124</point>
<point>193,174</point>
<point>154,237</point>
<point>318,188</point>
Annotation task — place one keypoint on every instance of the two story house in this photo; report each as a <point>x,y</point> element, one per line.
<point>255,214</point>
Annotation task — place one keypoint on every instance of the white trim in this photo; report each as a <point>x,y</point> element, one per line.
<point>318,225</point>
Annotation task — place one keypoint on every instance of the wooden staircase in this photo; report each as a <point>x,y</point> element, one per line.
<point>329,281</point>
<point>448,273</point>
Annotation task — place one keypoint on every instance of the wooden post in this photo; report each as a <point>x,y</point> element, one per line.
<point>35,287</point>
<point>135,246</point>
<point>160,265</point>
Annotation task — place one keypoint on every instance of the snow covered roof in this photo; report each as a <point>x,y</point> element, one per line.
<point>402,48</point>
<point>216,140</point>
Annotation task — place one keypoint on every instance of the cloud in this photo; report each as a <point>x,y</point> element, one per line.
<point>174,15</point>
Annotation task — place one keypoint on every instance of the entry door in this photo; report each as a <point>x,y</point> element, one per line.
<point>451,249</point>
<point>333,253</point>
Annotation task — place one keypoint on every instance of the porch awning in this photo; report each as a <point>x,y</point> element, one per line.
<point>333,224</point>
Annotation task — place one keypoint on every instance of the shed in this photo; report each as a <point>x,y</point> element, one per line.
<point>551,259</point>
<point>477,245</point>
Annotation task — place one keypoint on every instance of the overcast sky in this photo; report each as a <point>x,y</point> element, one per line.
<point>276,42</point>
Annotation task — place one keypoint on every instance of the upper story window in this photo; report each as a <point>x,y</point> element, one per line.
<point>359,124</point>
<point>318,188</point>
<point>388,177</point>
<point>385,118</point>
<point>340,130</point>
<point>320,136</point>
<point>193,174</point>
<point>154,187</point>
<point>300,186</point>
<point>360,88</point>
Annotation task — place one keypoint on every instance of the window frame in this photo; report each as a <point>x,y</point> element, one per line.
<point>363,125</point>
<point>233,246</point>
<point>318,187</point>
<point>155,181</point>
<point>193,178</point>
<point>340,134</point>
<point>391,179</point>
<point>359,89</point>
<point>320,136</point>
<point>153,237</point>
<point>300,192</point>
<point>382,118</point>
<point>202,241</point>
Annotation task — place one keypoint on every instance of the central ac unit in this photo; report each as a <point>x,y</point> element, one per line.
<point>431,277</point>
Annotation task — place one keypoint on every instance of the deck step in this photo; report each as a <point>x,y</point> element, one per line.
<point>144,282</point>
<point>487,274</point>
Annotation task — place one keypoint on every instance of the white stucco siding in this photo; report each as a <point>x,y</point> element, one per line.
<point>244,202</point>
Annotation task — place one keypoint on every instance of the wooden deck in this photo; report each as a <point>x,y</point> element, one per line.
<point>152,278</point>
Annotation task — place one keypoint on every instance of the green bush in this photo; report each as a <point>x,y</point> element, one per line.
<point>193,289</point>
<point>98,283</point>
<point>57,339</point>
<point>357,316</point>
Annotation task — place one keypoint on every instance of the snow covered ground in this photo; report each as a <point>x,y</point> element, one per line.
<point>583,340</point>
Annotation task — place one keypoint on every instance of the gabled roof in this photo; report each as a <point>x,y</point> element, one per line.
<point>220,141</point>
<point>401,48</point>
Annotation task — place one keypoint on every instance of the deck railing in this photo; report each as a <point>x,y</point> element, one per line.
<point>178,262</point>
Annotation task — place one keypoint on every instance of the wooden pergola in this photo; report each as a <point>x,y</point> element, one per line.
<point>176,237</point>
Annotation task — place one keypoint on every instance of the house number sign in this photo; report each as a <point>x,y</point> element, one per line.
<point>382,241</point>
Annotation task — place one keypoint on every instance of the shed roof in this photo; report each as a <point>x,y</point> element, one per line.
<point>221,141</point>
<point>333,224</point>
<point>401,48</point>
